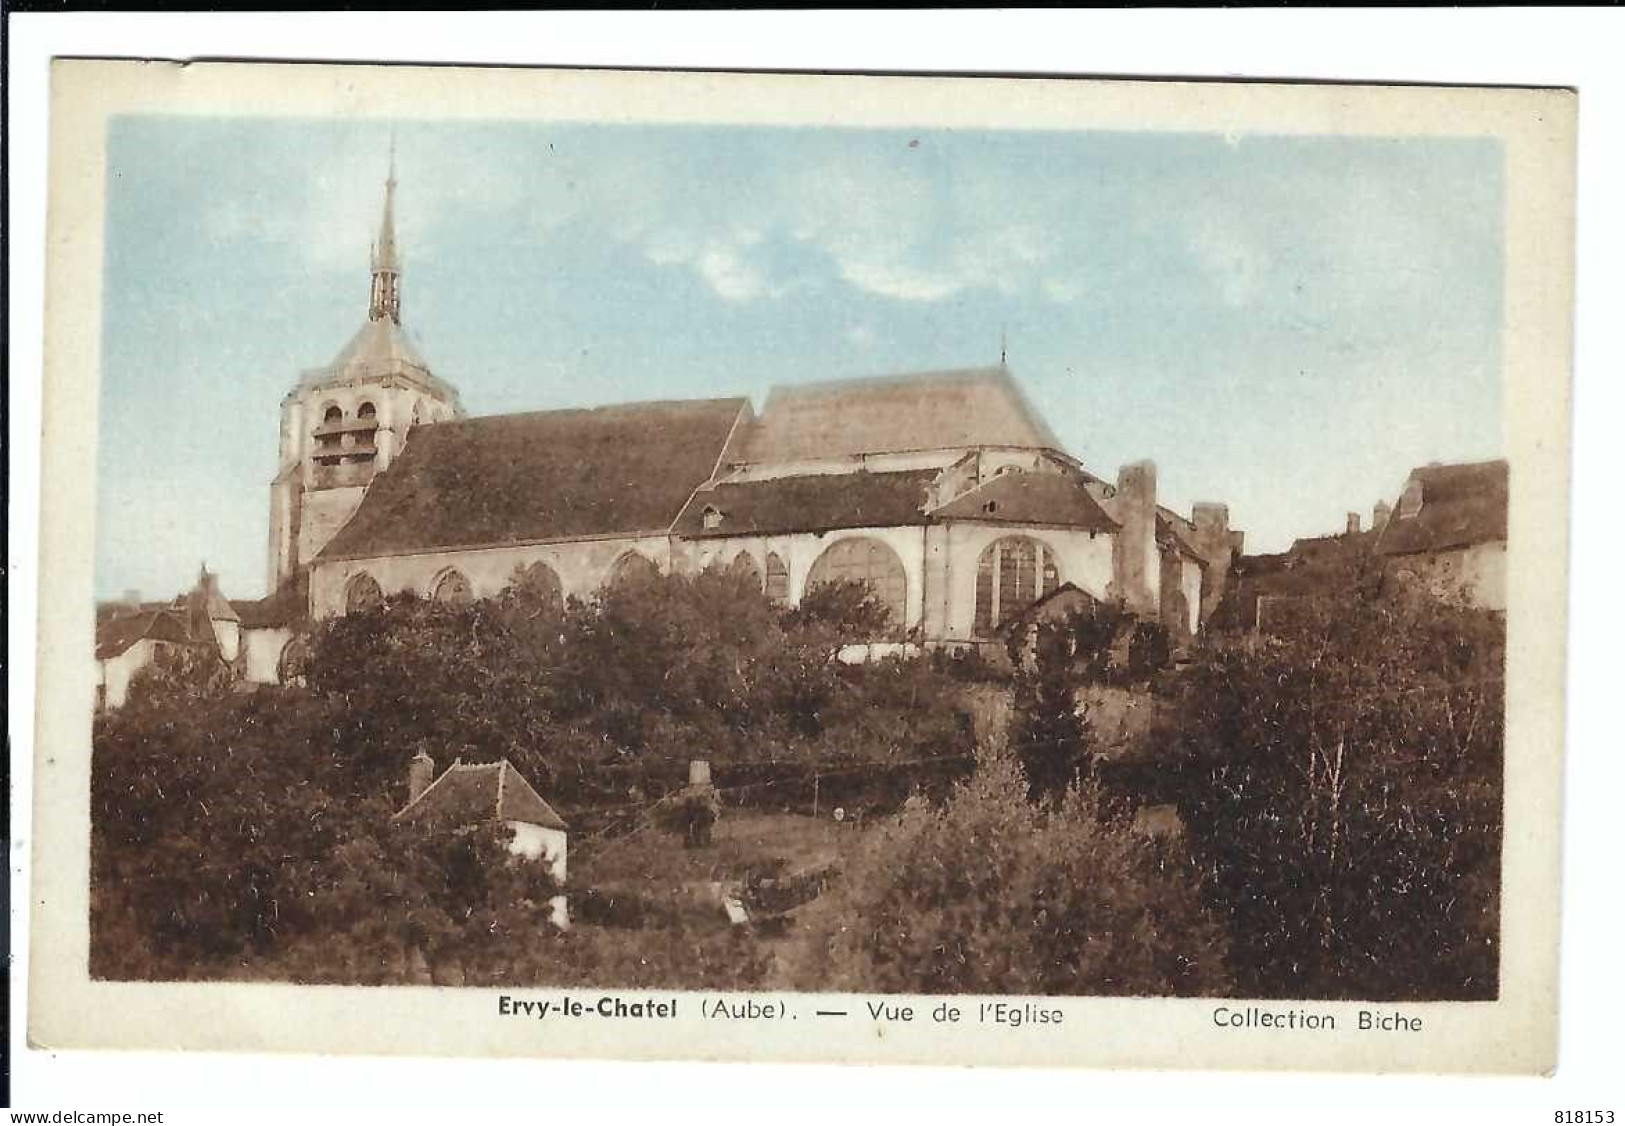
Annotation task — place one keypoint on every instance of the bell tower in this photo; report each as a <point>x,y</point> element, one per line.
<point>346,422</point>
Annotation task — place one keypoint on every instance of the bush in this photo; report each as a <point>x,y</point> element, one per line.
<point>1149,650</point>
<point>992,894</point>
<point>1343,785</point>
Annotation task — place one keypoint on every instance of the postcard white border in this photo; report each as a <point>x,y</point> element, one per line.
<point>1515,1034</point>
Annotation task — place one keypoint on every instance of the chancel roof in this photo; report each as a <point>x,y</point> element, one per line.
<point>547,475</point>
<point>943,410</point>
<point>1059,499</point>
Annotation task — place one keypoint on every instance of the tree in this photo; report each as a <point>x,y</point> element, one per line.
<point>1051,731</point>
<point>1343,784</point>
<point>993,894</point>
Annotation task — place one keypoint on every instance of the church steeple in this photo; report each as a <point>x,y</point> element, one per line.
<point>386,263</point>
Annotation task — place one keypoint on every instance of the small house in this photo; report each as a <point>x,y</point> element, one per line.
<point>484,793</point>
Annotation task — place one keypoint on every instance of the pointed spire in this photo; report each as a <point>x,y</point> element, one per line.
<point>386,264</point>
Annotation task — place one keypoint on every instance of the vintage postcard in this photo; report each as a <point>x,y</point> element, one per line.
<point>803,567</point>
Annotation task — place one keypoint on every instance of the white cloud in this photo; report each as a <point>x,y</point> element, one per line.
<point>733,278</point>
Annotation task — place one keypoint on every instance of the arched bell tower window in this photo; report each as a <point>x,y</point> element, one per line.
<point>1012,574</point>
<point>451,588</point>
<point>366,417</point>
<point>362,594</point>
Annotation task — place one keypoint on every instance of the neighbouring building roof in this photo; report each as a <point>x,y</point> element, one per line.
<point>1030,498</point>
<point>546,475</point>
<point>1058,604</point>
<point>895,414</point>
<point>1173,534</point>
<point>117,634</point>
<point>475,793</point>
<point>288,605</point>
<point>812,503</point>
<point>1462,505</point>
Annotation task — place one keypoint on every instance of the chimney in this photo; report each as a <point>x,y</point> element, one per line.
<point>1379,516</point>
<point>418,776</point>
<point>1136,568</point>
<point>1217,545</point>
<point>1354,524</point>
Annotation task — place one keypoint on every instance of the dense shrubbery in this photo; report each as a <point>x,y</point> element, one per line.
<point>992,893</point>
<point>1343,786</point>
<point>231,826</point>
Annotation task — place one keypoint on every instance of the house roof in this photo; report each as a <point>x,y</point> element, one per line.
<point>475,793</point>
<point>117,634</point>
<point>894,414</point>
<point>288,604</point>
<point>1462,505</point>
<point>541,476</point>
<point>1061,602</point>
<point>1030,498</point>
<point>812,503</point>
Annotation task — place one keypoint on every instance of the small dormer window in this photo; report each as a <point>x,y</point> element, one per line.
<point>990,507</point>
<point>712,518</point>
<point>1410,501</point>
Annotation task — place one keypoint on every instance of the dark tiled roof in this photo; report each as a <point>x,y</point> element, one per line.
<point>1030,498</point>
<point>926,411</point>
<point>548,475</point>
<point>288,606</point>
<point>117,634</point>
<point>812,503</point>
<point>1462,505</point>
<point>475,793</point>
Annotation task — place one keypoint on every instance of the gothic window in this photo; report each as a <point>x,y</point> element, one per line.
<point>867,561</point>
<point>541,584</point>
<point>291,663</point>
<point>744,568</point>
<point>362,594</point>
<point>452,589</point>
<point>778,579</point>
<point>632,568</point>
<point>1012,574</point>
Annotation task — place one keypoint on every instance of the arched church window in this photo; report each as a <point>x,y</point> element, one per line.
<point>868,561</point>
<point>778,578</point>
<point>744,568</point>
<point>1012,574</point>
<point>452,588</point>
<point>540,583</point>
<point>332,414</point>
<point>362,594</point>
<point>366,411</point>
<point>632,568</point>
<point>292,662</point>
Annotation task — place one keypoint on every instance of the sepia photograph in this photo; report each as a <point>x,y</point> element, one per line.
<point>961,557</point>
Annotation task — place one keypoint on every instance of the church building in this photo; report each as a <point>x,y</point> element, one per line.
<point>944,491</point>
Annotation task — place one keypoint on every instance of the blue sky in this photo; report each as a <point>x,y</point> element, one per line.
<point>1285,324</point>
